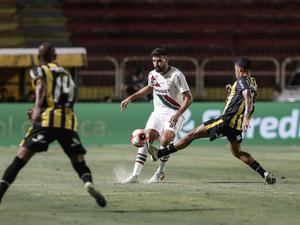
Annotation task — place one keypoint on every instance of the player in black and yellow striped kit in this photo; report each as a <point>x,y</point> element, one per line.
<point>234,120</point>
<point>52,119</point>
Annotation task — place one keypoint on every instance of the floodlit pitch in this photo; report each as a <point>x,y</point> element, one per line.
<point>204,185</point>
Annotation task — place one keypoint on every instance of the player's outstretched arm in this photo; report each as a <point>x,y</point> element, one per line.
<point>139,94</point>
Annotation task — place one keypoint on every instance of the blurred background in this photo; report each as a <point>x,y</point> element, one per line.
<point>106,45</point>
<point>202,37</point>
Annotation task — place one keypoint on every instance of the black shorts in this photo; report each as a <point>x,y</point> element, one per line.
<point>217,128</point>
<point>38,139</point>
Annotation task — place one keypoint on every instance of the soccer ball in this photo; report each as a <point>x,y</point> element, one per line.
<point>138,137</point>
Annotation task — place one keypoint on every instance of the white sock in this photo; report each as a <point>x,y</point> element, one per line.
<point>141,157</point>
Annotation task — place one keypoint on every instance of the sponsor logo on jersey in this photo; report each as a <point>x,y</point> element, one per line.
<point>161,91</point>
<point>154,82</point>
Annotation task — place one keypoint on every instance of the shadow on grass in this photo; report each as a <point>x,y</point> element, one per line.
<point>209,182</point>
<point>233,182</point>
<point>164,210</point>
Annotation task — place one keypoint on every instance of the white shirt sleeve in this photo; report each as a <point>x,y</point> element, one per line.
<point>181,83</point>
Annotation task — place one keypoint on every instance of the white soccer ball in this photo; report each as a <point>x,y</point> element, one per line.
<point>138,138</point>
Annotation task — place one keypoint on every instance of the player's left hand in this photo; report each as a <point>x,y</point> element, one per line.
<point>245,124</point>
<point>174,119</point>
<point>228,87</point>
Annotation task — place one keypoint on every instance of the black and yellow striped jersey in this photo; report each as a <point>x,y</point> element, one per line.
<point>235,105</point>
<point>57,106</point>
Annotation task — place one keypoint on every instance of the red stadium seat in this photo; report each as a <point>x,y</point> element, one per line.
<point>200,29</point>
<point>136,23</point>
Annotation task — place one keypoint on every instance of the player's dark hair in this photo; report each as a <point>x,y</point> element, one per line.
<point>47,52</point>
<point>244,63</point>
<point>159,52</point>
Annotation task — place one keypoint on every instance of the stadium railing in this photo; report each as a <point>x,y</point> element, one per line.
<point>266,70</point>
<point>206,78</point>
<point>288,67</point>
<point>100,79</point>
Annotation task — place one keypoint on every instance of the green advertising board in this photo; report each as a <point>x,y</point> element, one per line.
<point>104,123</point>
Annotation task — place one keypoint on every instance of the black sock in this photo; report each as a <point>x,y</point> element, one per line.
<point>258,168</point>
<point>83,171</point>
<point>13,169</point>
<point>166,150</point>
<point>10,174</point>
<point>3,187</point>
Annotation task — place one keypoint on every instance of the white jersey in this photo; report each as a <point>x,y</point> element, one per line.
<point>168,89</point>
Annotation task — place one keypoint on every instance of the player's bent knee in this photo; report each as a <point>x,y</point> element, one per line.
<point>165,141</point>
<point>25,153</point>
<point>167,138</point>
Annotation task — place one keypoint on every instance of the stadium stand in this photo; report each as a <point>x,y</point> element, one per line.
<point>108,27</point>
<point>11,35</point>
<point>118,28</point>
<point>199,29</point>
<point>10,31</point>
<point>28,23</point>
<point>43,20</point>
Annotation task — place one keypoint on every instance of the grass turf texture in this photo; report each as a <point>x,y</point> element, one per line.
<point>204,185</point>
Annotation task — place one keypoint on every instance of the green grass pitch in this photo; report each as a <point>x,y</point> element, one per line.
<point>204,185</point>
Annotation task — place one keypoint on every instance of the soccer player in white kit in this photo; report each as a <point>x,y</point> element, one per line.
<point>171,97</point>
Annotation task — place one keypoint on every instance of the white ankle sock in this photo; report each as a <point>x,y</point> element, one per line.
<point>141,157</point>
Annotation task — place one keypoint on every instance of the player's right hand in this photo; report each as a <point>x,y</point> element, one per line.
<point>124,104</point>
<point>29,113</point>
<point>245,124</point>
<point>174,119</point>
<point>36,115</point>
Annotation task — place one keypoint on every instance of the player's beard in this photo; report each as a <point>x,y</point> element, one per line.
<point>158,69</point>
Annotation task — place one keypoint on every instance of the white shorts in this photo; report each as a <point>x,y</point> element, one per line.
<point>160,122</point>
